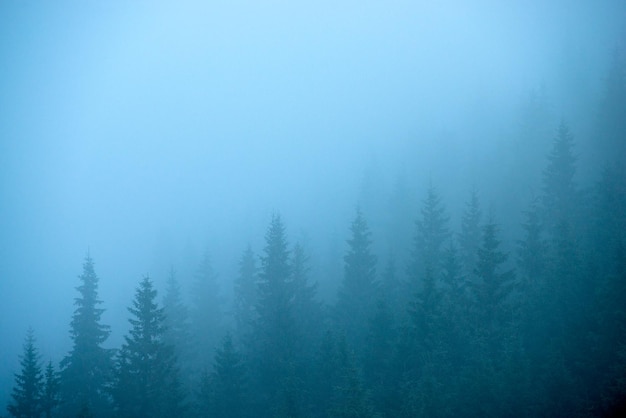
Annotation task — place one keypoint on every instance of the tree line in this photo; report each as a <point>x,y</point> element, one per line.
<point>463,327</point>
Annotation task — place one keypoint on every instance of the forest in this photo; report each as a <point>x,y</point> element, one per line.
<point>453,323</point>
<point>316,209</point>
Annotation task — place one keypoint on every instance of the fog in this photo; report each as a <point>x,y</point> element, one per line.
<point>147,134</point>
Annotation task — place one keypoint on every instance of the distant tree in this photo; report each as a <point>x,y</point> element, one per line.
<point>470,235</point>
<point>349,399</point>
<point>28,390</point>
<point>50,394</point>
<point>223,392</point>
<point>357,294</point>
<point>611,123</point>
<point>245,294</point>
<point>86,370</point>
<point>206,313</point>
<point>176,326</point>
<point>146,382</point>
<point>307,310</point>
<point>274,329</point>
<point>560,193</point>
<point>378,373</point>
<point>430,234</point>
<point>493,286</point>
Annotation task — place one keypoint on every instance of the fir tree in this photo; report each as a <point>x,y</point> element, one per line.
<point>560,193</point>
<point>85,371</point>
<point>50,394</point>
<point>245,294</point>
<point>470,235</point>
<point>206,314</point>
<point>176,326</point>
<point>223,392</point>
<point>26,397</point>
<point>357,295</point>
<point>146,383</point>
<point>275,331</point>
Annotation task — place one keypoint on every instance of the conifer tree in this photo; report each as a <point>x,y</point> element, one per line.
<point>147,382</point>
<point>50,394</point>
<point>470,235</point>
<point>223,392</point>
<point>560,194</point>
<point>275,331</point>
<point>206,313</point>
<point>245,294</point>
<point>176,326</point>
<point>357,294</point>
<point>493,286</point>
<point>26,397</point>
<point>431,233</point>
<point>86,370</point>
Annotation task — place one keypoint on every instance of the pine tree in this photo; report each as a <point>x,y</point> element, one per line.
<point>146,383</point>
<point>560,194</point>
<point>431,233</point>
<point>306,309</point>
<point>85,371</point>
<point>28,390</point>
<point>275,331</point>
<point>469,238</point>
<point>357,295</point>
<point>245,294</point>
<point>223,392</point>
<point>493,285</point>
<point>50,394</point>
<point>206,313</point>
<point>176,326</point>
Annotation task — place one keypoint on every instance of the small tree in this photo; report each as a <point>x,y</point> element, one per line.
<point>28,389</point>
<point>146,383</point>
<point>50,394</point>
<point>85,371</point>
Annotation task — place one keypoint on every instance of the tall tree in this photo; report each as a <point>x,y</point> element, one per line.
<point>357,294</point>
<point>470,235</point>
<point>245,294</point>
<point>560,194</point>
<point>86,370</point>
<point>176,326</point>
<point>206,313</point>
<point>28,390</point>
<point>430,234</point>
<point>275,331</point>
<point>493,285</point>
<point>223,391</point>
<point>50,394</point>
<point>146,383</point>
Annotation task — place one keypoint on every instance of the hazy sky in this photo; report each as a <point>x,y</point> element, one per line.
<point>148,131</point>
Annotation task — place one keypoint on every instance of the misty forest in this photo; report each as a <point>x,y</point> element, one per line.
<point>397,211</point>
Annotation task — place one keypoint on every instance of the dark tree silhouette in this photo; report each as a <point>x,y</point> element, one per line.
<point>86,370</point>
<point>27,393</point>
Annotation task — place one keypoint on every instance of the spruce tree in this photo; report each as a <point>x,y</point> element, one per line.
<point>223,391</point>
<point>176,327</point>
<point>146,382</point>
<point>50,394</point>
<point>470,235</point>
<point>205,314</point>
<point>26,397</point>
<point>274,330</point>
<point>245,294</point>
<point>357,294</point>
<point>86,370</point>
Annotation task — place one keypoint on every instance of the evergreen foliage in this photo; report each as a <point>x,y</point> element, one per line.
<point>146,380</point>
<point>26,398</point>
<point>86,370</point>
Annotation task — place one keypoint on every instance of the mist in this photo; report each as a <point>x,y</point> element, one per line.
<point>153,136</point>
